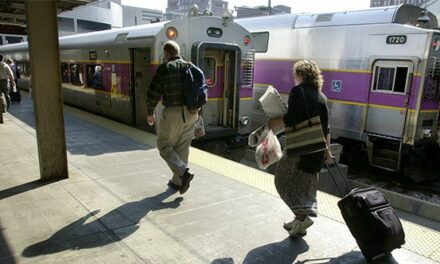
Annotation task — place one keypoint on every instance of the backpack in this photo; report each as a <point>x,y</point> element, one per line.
<point>195,90</point>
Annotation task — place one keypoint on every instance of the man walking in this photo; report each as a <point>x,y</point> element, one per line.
<point>5,74</point>
<point>176,126</point>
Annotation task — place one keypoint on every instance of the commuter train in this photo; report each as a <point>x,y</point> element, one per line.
<point>381,69</point>
<point>108,72</point>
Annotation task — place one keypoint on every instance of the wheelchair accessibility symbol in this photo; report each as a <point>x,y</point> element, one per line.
<point>336,86</point>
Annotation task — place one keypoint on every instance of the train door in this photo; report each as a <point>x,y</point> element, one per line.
<point>387,109</point>
<point>141,61</point>
<point>389,97</point>
<point>220,63</point>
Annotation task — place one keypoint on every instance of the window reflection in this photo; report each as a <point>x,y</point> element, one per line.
<point>76,74</point>
<point>94,76</point>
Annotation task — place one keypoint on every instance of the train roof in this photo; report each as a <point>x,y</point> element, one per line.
<point>400,14</point>
<point>111,36</point>
<point>90,39</point>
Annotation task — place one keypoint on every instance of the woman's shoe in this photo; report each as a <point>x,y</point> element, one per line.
<point>288,225</point>
<point>299,228</point>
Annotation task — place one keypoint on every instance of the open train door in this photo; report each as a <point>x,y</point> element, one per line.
<point>387,109</point>
<point>141,61</point>
<point>221,66</point>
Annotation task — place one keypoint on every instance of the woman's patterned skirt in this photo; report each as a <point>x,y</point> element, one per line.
<point>296,187</point>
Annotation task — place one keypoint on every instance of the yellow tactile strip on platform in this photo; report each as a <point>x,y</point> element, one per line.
<point>419,239</point>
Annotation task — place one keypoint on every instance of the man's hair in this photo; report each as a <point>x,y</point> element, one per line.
<point>9,61</point>
<point>172,48</point>
<point>1,57</point>
<point>309,72</point>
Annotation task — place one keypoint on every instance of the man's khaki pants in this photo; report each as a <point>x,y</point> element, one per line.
<point>176,131</point>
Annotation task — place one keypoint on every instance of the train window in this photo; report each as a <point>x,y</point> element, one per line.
<point>13,39</point>
<point>94,76</point>
<point>209,71</point>
<point>261,41</point>
<point>76,74</point>
<point>65,73</point>
<point>391,78</point>
<point>384,79</point>
<point>401,77</point>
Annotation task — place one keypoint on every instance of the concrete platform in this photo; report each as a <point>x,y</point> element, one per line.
<point>116,208</point>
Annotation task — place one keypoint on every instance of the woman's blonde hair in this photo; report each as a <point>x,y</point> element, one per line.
<point>309,73</point>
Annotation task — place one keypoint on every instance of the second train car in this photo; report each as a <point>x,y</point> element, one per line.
<point>381,69</point>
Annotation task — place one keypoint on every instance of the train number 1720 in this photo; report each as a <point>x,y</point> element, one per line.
<point>396,39</point>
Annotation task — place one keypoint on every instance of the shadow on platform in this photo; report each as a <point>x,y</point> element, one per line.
<point>282,252</point>
<point>286,252</point>
<point>5,252</point>
<point>82,235</point>
<point>22,188</point>
<point>82,137</point>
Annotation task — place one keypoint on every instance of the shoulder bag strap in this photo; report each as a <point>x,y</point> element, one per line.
<point>305,104</point>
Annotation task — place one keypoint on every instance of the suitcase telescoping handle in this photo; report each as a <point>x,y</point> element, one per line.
<point>347,184</point>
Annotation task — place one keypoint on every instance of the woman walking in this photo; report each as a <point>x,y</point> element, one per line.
<point>296,177</point>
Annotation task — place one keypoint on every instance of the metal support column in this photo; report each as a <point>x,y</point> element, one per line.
<point>41,17</point>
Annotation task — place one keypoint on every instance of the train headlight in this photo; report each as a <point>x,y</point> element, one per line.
<point>427,133</point>
<point>244,120</point>
<point>171,33</point>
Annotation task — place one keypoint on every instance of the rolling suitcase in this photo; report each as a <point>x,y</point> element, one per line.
<point>372,221</point>
<point>15,96</point>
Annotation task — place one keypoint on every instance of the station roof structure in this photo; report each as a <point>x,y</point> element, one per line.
<point>12,12</point>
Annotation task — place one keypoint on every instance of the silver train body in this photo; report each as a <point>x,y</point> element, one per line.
<point>381,71</point>
<point>128,57</point>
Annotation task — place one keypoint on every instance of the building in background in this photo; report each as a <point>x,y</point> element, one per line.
<point>99,15</point>
<point>133,16</point>
<point>102,15</point>
<point>376,3</point>
<point>180,8</point>
<point>244,11</point>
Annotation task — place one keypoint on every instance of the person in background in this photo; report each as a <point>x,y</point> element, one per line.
<point>296,177</point>
<point>14,69</point>
<point>176,126</point>
<point>97,77</point>
<point>5,74</point>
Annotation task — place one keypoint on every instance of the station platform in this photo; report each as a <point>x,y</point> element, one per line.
<point>115,206</point>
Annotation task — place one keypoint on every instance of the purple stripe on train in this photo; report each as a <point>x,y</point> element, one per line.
<point>276,73</point>
<point>216,91</point>
<point>344,86</point>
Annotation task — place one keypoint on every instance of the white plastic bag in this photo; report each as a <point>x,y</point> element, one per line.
<point>268,151</point>
<point>199,129</point>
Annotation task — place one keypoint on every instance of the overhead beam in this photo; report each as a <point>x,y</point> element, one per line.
<point>11,23</point>
<point>11,15</point>
<point>17,6</point>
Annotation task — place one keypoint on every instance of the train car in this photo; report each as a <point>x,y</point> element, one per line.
<point>381,69</point>
<point>108,72</point>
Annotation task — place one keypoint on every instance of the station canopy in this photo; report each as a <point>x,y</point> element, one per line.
<point>12,12</point>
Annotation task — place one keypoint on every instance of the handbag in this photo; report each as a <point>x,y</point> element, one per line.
<point>306,137</point>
